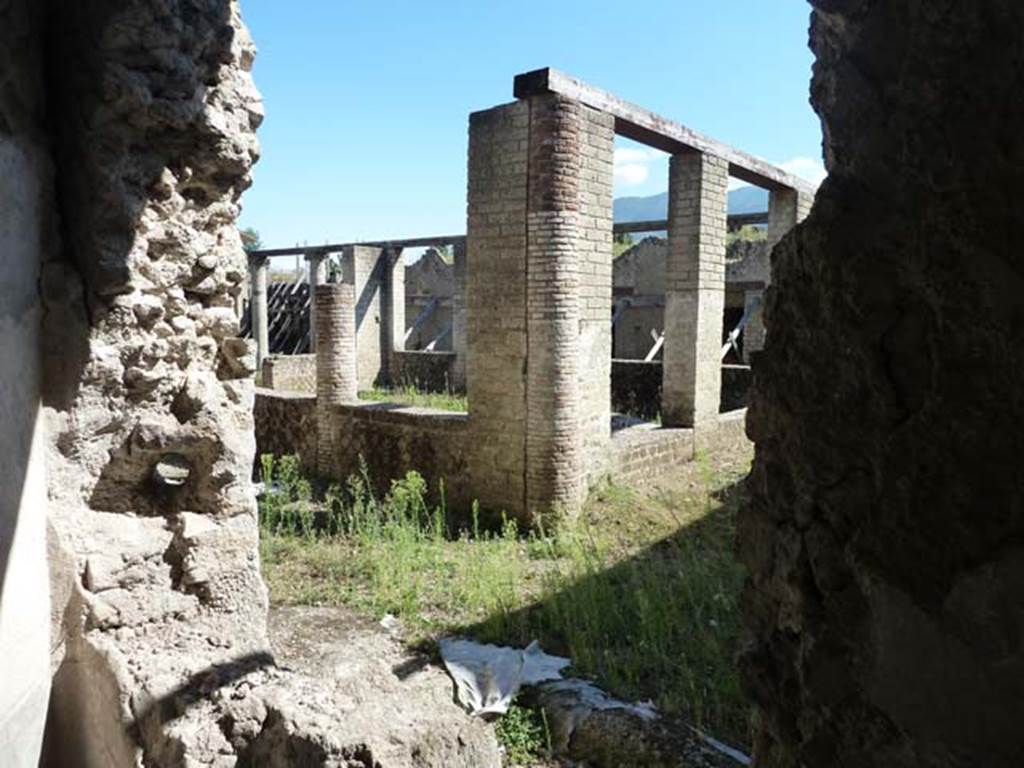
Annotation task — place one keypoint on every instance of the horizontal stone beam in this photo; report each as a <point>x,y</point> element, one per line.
<point>736,221</point>
<point>412,242</point>
<point>635,122</point>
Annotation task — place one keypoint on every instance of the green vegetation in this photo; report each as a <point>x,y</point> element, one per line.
<point>623,242</point>
<point>250,239</point>
<point>524,734</point>
<point>748,232</point>
<point>640,591</point>
<point>410,395</point>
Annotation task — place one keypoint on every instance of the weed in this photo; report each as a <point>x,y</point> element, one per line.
<point>640,590</point>
<point>524,735</point>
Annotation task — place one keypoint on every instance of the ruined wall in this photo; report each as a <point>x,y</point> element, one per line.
<point>160,650</point>
<point>286,424</point>
<point>884,527</point>
<point>429,277</point>
<point>292,373</point>
<point>434,327</point>
<point>149,396</point>
<point>426,371</point>
<point>636,387</point>
<point>27,234</point>
<point>640,271</point>
<point>640,453</point>
<point>393,440</point>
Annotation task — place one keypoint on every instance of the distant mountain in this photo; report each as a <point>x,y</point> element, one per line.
<point>742,200</point>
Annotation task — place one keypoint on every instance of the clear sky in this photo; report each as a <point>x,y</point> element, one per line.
<point>367,102</point>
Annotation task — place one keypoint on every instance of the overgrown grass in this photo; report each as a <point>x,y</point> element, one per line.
<point>410,395</point>
<point>641,590</point>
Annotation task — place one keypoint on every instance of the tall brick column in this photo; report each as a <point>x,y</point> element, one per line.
<point>554,471</point>
<point>458,382</point>
<point>495,305</point>
<point>786,208</point>
<point>538,293</point>
<point>694,290</point>
<point>594,248</point>
<point>363,267</point>
<point>336,375</point>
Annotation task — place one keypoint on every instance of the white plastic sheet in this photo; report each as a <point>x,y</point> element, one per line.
<point>487,677</point>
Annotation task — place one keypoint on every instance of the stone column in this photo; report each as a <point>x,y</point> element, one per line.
<point>458,380</point>
<point>363,268</point>
<point>259,321</point>
<point>753,331</point>
<point>316,275</point>
<point>392,327</point>
<point>694,290</point>
<point>336,377</point>
<point>786,208</point>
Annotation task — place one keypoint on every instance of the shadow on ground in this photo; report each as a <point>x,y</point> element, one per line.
<point>661,624</point>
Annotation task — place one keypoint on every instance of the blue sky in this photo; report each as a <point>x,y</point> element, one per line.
<point>367,102</point>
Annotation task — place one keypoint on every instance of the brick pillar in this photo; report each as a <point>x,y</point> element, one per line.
<point>392,327</point>
<point>336,378</point>
<point>594,246</point>
<point>753,331</point>
<point>538,298</point>
<point>786,208</point>
<point>258,308</point>
<point>364,269</point>
<point>458,380</point>
<point>316,275</point>
<point>495,305</point>
<point>694,290</point>
<point>554,467</point>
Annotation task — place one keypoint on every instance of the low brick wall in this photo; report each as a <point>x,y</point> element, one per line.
<point>647,451</point>
<point>290,373</point>
<point>286,424</point>
<point>426,371</point>
<point>393,439</point>
<point>641,452</point>
<point>636,387</point>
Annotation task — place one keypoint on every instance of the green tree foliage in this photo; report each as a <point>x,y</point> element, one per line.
<point>251,239</point>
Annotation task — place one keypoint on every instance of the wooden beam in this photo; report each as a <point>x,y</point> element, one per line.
<point>734,334</point>
<point>659,342</point>
<point>424,315</point>
<point>443,335</point>
<point>635,122</point>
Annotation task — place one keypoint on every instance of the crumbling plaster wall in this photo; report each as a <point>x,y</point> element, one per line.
<point>884,527</point>
<point>158,648</point>
<point>154,114</point>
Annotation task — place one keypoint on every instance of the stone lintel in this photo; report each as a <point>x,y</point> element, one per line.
<point>635,122</point>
